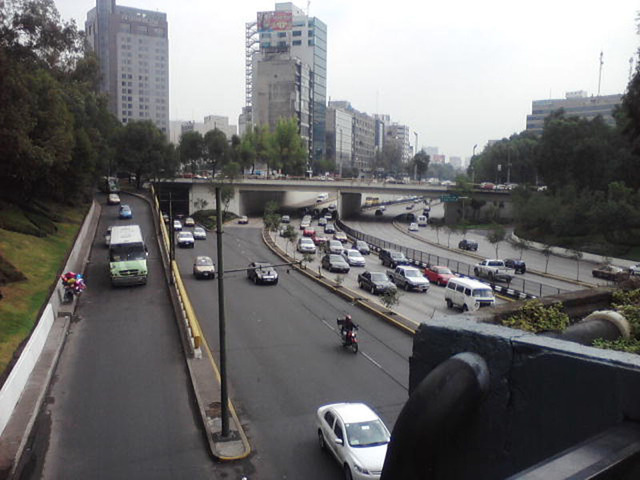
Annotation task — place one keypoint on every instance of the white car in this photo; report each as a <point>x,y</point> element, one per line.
<point>354,257</point>
<point>413,227</point>
<point>177,225</point>
<point>189,222</point>
<point>199,233</point>
<point>186,240</point>
<point>306,245</point>
<point>243,220</point>
<point>113,199</point>
<point>355,436</point>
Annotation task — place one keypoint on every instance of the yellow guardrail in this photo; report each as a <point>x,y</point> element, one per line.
<point>192,319</point>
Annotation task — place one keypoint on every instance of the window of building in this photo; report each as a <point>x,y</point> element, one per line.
<point>310,42</point>
<point>265,45</point>
<point>125,27</point>
<point>297,42</point>
<point>297,33</point>
<point>310,34</point>
<point>282,44</point>
<point>282,34</point>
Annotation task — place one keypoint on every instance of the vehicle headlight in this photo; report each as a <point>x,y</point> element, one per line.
<point>360,469</point>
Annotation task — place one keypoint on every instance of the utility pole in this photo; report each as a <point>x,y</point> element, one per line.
<point>600,73</point>
<point>224,396</point>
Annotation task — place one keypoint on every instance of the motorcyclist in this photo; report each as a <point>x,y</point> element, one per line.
<point>346,326</point>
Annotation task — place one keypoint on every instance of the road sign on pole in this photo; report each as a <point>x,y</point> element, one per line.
<point>451,197</point>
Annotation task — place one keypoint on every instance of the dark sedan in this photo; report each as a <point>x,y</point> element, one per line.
<point>262,272</point>
<point>518,265</point>
<point>335,263</point>
<point>375,282</point>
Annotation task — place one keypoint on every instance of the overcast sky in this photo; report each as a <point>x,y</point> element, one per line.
<point>458,73</point>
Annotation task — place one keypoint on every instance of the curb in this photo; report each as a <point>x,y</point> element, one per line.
<point>396,319</point>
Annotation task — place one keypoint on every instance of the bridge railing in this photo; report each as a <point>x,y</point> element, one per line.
<point>518,287</point>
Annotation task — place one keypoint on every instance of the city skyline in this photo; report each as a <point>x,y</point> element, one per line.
<point>458,75</point>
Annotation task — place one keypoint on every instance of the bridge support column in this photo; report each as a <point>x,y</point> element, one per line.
<point>349,204</point>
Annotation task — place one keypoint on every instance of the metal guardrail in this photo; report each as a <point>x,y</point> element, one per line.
<point>518,287</point>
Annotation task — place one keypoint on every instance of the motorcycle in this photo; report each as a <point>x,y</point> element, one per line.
<point>349,337</point>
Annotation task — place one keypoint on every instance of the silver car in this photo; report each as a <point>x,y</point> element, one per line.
<point>353,257</point>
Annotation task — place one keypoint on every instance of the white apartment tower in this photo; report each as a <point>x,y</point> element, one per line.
<point>133,50</point>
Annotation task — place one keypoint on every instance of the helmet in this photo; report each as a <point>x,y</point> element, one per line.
<point>347,317</point>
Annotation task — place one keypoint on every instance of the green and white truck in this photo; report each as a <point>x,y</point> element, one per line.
<point>127,256</point>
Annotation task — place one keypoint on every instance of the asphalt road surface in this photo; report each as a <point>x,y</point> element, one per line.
<point>285,358</point>
<point>120,405</point>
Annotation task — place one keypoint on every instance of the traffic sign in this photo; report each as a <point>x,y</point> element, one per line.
<point>452,197</point>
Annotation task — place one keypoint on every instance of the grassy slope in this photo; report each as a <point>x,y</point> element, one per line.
<point>40,259</point>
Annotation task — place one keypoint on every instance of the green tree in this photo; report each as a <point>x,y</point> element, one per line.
<point>216,149</point>
<point>496,235</point>
<point>191,149</point>
<point>420,163</point>
<point>142,148</point>
<point>288,150</point>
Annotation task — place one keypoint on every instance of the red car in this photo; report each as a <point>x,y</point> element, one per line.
<point>309,232</point>
<point>438,275</point>
<point>319,238</point>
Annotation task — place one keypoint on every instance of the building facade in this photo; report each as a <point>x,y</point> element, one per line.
<point>339,137</point>
<point>574,104</point>
<point>288,33</point>
<point>401,136</point>
<point>133,51</point>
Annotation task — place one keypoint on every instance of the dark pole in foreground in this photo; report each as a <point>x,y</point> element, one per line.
<point>224,402</point>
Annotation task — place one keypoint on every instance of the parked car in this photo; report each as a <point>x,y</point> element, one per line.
<point>306,245</point>
<point>125,212</point>
<point>334,246</point>
<point>329,228</point>
<point>203,267</point>
<point>199,233</point>
<point>465,244</point>
<point>413,227</point>
<point>243,220</point>
<point>608,272</point>
<point>392,258</point>
<point>375,282</point>
<point>186,240</point>
<point>518,265</point>
<point>335,263</point>
<point>189,222</point>
<point>341,236</point>
<point>362,247</point>
<point>177,225</point>
<point>438,274</point>
<point>355,436</point>
<point>353,257</point>
<point>262,272</point>
<point>285,219</point>
<point>113,199</point>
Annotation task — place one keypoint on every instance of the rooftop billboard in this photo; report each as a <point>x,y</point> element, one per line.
<point>274,21</point>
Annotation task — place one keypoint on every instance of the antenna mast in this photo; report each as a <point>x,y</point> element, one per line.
<point>600,73</point>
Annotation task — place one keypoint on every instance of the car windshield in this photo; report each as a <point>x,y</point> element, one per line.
<point>412,273</point>
<point>397,255</point>
<point>204,261</point>
<point>496,264</point>
<point>378,277</point>
<point>123,253</point>
<point>198,230</point>
<point>184,236</point>
<point>482,292</point>
<point>443,271</point>
<point>335,258</point>
<point>367,434</point>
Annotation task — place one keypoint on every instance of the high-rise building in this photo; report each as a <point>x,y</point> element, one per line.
<point>575,104</point>
<point>297,45</point>
<point>339,136</point>
<point>400,135</point>
<point>133,50</point>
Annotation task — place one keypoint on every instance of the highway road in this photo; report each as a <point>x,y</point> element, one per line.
<point>285,358</point>
<point>120,404</point>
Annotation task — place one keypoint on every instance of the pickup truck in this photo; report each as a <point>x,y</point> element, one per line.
<point>409,278</point>
<point>493,269</point>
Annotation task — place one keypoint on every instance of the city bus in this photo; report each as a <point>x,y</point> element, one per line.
<point>127,256</point>
<point>371,201</point>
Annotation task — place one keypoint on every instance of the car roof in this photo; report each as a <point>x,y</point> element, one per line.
<point>353,412</point>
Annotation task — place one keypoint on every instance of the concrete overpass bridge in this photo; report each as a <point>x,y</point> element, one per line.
<point>251,195</point>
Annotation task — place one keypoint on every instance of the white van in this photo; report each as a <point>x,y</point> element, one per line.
<point>322,197</point>
<point>422,221</point>
<point>468,294</point>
